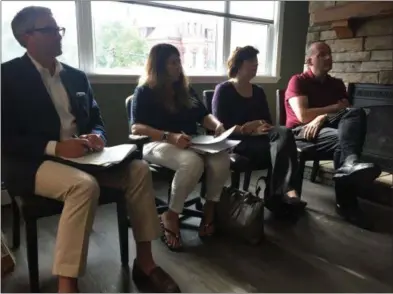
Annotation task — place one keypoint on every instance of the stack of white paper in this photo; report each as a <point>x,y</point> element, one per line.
<point>208,140</point>
<point>211,144</point>
<point>215,148</point>
<point>108,156</point>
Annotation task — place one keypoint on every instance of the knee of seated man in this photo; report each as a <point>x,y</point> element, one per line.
<point>139,168</point>
<point>88,186</point>
<point>357,112</point>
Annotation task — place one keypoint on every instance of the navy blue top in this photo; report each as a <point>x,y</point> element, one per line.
<point>146,109</point>
<point>233,109</point>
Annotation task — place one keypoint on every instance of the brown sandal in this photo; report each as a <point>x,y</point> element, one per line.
<point>174,235</point>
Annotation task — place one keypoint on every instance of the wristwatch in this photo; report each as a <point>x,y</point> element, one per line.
<point>165,136</point>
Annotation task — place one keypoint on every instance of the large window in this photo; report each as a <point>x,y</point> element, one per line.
<point>123,38</point>
<point>110,40</point>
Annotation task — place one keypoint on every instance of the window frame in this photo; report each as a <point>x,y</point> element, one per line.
<point>84,20</point>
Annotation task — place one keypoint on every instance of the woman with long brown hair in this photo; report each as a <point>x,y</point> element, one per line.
<point>166,109</point>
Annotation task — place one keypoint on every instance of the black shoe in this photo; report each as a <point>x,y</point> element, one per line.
<point>286,207</point>
<point>357,172</point>
<point>354,216</point>
<point>295,202</point>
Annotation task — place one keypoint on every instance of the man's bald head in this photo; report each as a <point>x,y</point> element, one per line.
<point>319,58</point>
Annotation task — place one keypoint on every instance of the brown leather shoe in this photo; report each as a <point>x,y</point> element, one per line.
<point>157,282</point>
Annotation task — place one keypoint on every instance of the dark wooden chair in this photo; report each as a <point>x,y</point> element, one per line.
<point>239,164</point>
<point>33,207</point>
<point>167,175</point>
<point>306,151</point>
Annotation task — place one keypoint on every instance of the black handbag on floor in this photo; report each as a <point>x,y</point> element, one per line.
<point>240,214</point>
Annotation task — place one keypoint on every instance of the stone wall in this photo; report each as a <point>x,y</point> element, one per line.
<point>367,57</point>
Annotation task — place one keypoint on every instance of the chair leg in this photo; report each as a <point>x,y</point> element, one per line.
<point>199,204</point>
<point>314,171</point>
<point>203,188</point>
<point>15,224</point>
<point>302,164</point>
<point>169,192</point>
<point>122,221</point>
<point>32,254</point>
<point>235,179</point>
<point>247,180</point>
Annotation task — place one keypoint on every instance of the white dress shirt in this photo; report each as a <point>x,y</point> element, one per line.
<point>61,101</point>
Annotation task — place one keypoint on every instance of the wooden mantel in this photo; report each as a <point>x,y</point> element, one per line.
<point>344,17</point>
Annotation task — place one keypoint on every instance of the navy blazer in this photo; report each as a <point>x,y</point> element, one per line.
<point>29,119</point>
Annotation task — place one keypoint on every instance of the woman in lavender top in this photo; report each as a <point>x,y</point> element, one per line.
<point>238,102</point>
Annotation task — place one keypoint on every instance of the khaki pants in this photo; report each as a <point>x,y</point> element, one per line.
<point>80,192</point>
<point>189,167</point>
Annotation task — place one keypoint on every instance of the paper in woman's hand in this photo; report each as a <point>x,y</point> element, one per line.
<point>207,140</point>
<point>216,147</point>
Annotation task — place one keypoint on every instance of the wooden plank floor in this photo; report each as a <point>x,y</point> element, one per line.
<point>319,253</point>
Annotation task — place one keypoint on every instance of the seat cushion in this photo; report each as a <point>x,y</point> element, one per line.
<point>303,146</point>
<point>164,173</point>
<point>308,151</point>
<point>35,206</point>
<point>161,172</point>
<point>239,163</point>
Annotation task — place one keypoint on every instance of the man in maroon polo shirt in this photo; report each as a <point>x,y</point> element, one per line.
<point>318,112</point>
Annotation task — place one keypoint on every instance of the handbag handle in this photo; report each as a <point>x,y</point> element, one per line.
<point>258,189</point>
<point>250,199</point>
<point>246,197</point>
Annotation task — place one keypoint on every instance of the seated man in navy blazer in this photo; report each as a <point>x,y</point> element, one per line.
<point>48,110</point>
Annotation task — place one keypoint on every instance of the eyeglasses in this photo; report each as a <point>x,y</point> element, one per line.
<point>49,31</point>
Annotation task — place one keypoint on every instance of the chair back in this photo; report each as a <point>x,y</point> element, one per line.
<point>128,106</point>
<point>208,99</point>
<point>281,115</point>
<point>128,109</point>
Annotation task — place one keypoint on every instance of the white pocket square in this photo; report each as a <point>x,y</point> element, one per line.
<point>79,94</point>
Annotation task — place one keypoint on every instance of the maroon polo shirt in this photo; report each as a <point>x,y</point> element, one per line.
<point>319,93</point>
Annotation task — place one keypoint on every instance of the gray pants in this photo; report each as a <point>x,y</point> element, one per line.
<point>189,167</point>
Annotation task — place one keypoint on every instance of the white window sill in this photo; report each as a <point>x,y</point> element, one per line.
<point>133,79</point>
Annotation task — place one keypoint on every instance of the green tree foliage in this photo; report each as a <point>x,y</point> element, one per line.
<point>119,45</point>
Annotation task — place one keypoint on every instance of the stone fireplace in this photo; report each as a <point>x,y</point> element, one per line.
<point>360,35</point>
<point>377,101</point>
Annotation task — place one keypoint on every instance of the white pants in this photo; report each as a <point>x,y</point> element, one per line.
<point>189,167</point>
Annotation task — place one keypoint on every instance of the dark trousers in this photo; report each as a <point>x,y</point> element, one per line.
<point>343,135</point>
<point>278,150</point>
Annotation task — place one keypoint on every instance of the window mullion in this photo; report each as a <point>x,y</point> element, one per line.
<point>276,39</point>
<point>226,13</point>
<point>269,51</point>
<point>226,37</point>
<point>85,35</point>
